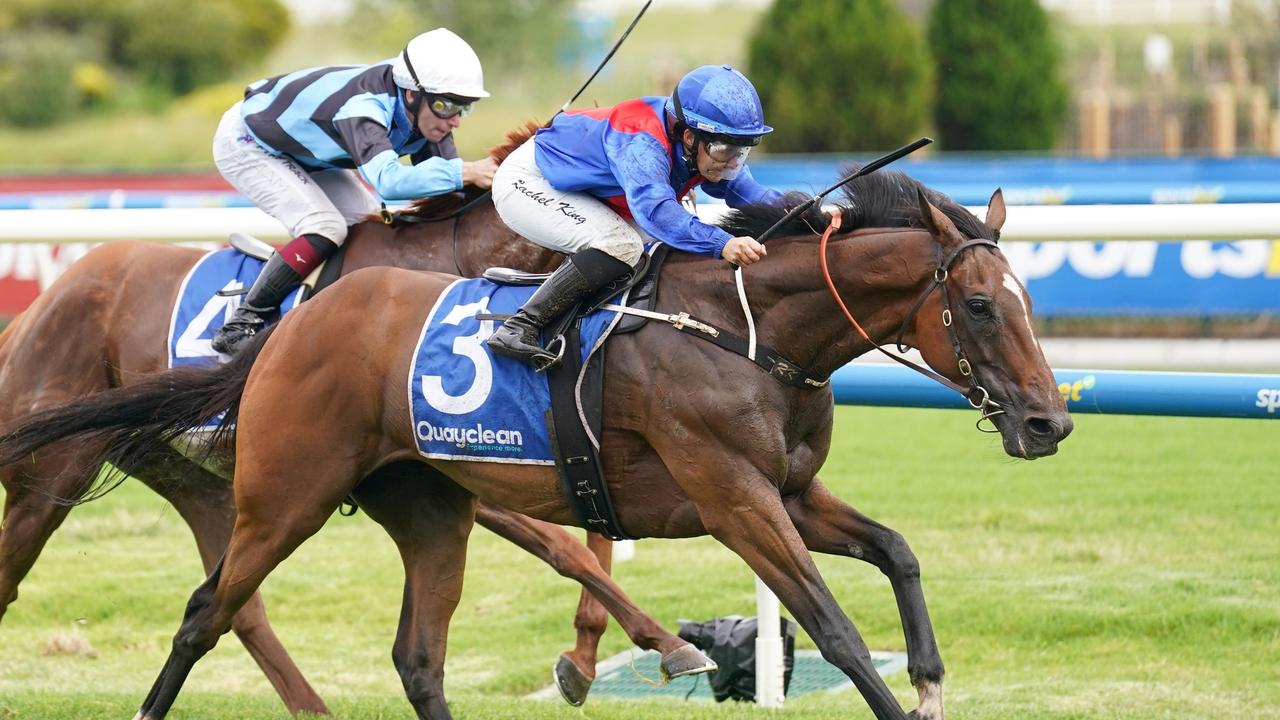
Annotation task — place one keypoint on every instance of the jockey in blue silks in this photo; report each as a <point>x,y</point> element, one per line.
<point>597,182</point>
<point>299,144</point>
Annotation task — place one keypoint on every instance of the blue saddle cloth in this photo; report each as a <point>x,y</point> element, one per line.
<point>467,403</point>
<point>200,311</point>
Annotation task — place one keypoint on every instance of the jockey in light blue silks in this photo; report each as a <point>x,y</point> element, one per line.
<point>596,182</point>
<point>295,143</point>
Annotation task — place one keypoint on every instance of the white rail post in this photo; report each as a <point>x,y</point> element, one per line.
<point>769,686</point>
<point>624,550</point>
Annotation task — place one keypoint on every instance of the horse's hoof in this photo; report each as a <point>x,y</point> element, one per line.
<point>687,660</point>
<point>572,682</point>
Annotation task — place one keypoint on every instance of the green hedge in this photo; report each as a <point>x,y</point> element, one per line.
<point>172,47</point>
<point>36,86</point>
<point>997,66</point>
<point>837,75</point>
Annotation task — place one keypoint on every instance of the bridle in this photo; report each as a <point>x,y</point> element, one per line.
<point>976,394</point>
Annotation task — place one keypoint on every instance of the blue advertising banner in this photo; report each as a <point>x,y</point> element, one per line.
<point>1084,391</point>
<point>1054,181</point>
<point>969,180</point>
<point>1191,278</point>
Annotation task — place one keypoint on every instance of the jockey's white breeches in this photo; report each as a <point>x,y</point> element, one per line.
<point>564,221</point>
<point>323,203</point>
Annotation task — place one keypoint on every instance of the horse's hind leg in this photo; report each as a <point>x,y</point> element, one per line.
<point>829,525</point>
<point>576,669</point>
<point>429,518</point>
<point>205,502</point>
<point>31,514</point>
<point>277,511</point>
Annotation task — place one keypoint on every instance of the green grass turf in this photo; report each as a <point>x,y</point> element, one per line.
<point>1133,575</point>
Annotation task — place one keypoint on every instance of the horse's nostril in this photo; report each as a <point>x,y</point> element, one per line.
<point>1041,426</point>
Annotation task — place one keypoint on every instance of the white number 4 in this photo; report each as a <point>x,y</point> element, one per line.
<point>190,343</point>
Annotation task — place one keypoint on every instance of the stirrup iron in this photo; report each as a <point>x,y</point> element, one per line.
<point>549,358</point>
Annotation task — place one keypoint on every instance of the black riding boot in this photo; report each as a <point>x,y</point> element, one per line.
<point>277,280</point>
<point>581,275</point>
<point>269,290</point>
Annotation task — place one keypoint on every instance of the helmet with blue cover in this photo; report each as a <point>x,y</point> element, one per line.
<point>722,108</point>
<point>718,100</point>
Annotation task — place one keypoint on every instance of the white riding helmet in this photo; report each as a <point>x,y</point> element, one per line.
<point>441,63</point>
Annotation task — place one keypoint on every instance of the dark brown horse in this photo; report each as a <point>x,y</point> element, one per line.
<point>103,325</point>
<point>696,440</point>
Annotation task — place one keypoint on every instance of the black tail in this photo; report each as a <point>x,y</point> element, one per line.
<point>138,420</point>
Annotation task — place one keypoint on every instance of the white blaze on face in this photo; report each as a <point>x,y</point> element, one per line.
<point>1012,285</point>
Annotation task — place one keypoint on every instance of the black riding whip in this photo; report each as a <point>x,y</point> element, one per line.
<point>605,61</point>
<point>864,170</point>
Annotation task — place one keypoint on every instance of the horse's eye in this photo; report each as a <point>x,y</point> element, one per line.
<point>978,306</point>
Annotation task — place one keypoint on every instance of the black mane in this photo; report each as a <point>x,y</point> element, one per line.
<point>880,199</point>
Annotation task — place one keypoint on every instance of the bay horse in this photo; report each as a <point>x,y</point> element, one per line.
<point>103,325</point>
<point>696,440</point>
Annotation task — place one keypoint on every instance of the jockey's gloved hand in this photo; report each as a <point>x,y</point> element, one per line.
<point>743,251</point>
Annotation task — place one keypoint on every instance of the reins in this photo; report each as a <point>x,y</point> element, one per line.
<point>409,218</point>
<point>977,395</point>
<point>392,219</point>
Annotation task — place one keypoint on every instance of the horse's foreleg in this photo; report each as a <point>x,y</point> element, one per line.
<point>553,545</point>
<point>429,518</point>
<point>31,514</point>
<point>829,525</point>
<point>749,519</point>
<point>205,502</point>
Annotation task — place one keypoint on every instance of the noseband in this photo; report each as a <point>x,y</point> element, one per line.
<point>976,394</point>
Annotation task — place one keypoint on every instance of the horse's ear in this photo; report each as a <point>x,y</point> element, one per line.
<point>995,210</point>
<point>926,211</point>
<point>935,221</point>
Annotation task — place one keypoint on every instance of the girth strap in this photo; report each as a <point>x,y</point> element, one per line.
<point>577,459</point>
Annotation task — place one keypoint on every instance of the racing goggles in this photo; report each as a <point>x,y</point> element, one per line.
<point>445,107</point>
<point>728,149</point>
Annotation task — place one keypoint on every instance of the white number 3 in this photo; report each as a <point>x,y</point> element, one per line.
<point>470,347</point>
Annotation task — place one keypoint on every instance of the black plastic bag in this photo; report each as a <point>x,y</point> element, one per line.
<point>731,643</point>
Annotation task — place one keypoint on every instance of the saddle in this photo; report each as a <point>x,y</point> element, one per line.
<point>323,276</point>
<point>576,418</point>
<point>642,284</point>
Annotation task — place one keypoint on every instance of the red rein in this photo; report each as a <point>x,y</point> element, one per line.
<point>836,220</point>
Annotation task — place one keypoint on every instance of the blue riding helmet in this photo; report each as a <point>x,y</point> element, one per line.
<point>719,100</point>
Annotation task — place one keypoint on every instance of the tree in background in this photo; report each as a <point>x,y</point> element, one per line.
<point>838,76</point>
<point>181,46</point>
<point>998,78</point>
<point>168,47</point>
<point>507,35</point>
<point>35,78</point>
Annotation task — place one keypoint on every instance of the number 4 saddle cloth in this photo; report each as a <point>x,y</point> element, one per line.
<point>469,404</point>
<point>200,310</point>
